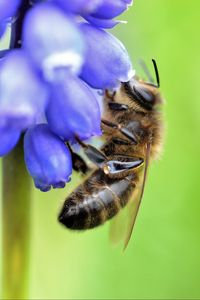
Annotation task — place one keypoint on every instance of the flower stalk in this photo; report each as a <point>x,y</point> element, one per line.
<point>16,217</point>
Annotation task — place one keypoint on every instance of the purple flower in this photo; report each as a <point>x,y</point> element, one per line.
<point>73,110</point>
<point>50,79</point>
<point>9,139</point>
<point>52,40</point>
<point>106,11</point>
<point>107,62</point>
<point>22,95</point>
<point>79,6</point>
<point>109,9</point>
<point>8,8</point>
<point>2,28</point>
<point>102,23</point>
<point>47,158</point>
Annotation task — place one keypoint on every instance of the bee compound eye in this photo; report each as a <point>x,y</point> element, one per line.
<point>143,96</point>
<point>140,94</point>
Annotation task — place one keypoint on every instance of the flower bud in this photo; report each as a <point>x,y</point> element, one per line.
<point>73,110</point>
<point>47,158</point>
<point>52,40</point>
<point>107,62</point>
<point>22,95</point>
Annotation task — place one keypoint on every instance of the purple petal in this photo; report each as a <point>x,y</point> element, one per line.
<point>52,40</point>
<point>73,109</point>
<point>2,28</point>
<point>47,158</point>
<point>8,8</point>
<point>9,138</point>
<point>79,6</point>
<point>107,62</point>
<point>102,23</point>
<point>22,95</point>
<point>110,9</point>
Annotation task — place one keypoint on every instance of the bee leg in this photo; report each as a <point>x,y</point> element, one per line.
<point>78,163</point>
<point>117,166</point>
<point>124,131</point>
<point>148,74</point>
<point>121,165</point>
<point>94,155</point>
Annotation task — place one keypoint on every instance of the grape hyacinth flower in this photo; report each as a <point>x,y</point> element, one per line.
<point>46,85</point>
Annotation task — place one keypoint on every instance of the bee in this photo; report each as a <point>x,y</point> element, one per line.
<point>132,129</point>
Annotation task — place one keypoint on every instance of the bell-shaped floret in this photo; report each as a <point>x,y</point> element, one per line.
<point>73,110</point>
<point>53,40</point>
<point>23,96</point>
<point>47,158</point>
<point>107,61</point>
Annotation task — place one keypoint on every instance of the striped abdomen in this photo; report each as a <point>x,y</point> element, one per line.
<point>98,199</point>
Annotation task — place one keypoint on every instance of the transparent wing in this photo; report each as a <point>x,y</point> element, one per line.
<point>118,226</point>
<point>122,225</point>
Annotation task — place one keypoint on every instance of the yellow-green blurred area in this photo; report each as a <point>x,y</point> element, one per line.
<point>162,260</point>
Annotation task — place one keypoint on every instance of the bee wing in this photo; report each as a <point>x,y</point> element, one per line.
<point>122,225</point>
<point>118,226</point>
<point>135,203</point>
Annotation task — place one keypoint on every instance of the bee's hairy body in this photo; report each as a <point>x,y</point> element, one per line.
<point>102,195</point>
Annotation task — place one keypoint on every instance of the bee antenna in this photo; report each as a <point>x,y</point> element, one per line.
<point>146,70</point>
<point>156,72</point>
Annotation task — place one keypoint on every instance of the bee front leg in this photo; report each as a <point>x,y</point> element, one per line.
<point>124,131</point>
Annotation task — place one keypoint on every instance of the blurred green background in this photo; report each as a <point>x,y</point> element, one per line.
<point>163,258</point>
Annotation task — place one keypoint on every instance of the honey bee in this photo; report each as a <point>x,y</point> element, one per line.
<point>132,128</point>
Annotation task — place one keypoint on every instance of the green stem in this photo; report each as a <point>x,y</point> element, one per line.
<point>16,212</point>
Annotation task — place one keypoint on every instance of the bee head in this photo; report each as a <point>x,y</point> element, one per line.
<point>145,94</point>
